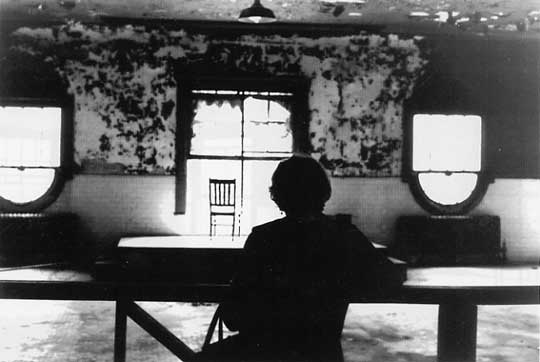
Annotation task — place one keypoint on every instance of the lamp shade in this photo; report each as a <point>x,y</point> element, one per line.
<point>257,13</point>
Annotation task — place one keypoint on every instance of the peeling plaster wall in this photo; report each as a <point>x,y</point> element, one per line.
<point>125,90</point>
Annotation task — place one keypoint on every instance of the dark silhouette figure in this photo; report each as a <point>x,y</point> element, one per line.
<point>289,297</point>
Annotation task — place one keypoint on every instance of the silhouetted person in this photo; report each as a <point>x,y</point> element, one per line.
<point>289,297</point>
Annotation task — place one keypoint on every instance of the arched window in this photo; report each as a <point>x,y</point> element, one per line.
<point>444,146</point>
<point>34,152</point>
<point>446,168</point>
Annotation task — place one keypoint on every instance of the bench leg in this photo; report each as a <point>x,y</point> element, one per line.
<point>120,332</point>
<point>456,340</point>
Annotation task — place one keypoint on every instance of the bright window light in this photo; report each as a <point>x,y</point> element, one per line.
<point>447,154</point>
<point>29,151</point>
<point>22,186</point>
<point>249,126</point>
<point>217,128</point>
<point>266,128</point>
<point>447,142</point>
<point>241,138</point>
<point>448,189</point>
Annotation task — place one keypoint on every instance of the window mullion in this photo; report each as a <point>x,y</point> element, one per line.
<point>242,120</point>
<point>30,167</point>
<point>445,171</point>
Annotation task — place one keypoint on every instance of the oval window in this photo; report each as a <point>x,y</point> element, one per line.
<point>30,156</point>
<point>447,161</point>
<point>23,186</point>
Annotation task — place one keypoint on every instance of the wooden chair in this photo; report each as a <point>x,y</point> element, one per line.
<point>207,354</point>
<point>222,197</point>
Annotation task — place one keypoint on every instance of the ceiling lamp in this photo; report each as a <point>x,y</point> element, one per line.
<point>257,13</point>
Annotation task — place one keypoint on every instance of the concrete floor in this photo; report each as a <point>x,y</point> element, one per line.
<point>83,331</point>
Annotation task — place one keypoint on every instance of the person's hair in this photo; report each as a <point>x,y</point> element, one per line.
<point>300,186</point>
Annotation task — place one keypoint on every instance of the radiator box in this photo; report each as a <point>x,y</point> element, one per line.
<point>448,240</point>
<point>30,239</point>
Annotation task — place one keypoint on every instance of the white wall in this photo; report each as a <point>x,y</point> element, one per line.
<point>517,202</point>
<point>376,203</point>
<point>111,206</point>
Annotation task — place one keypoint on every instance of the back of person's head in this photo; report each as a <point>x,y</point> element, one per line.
<point>300,186</point>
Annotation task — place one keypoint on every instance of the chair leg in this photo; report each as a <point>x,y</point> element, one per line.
<point>214,224</point>
<point>220,329</point>
<point>233,224</point>
<point>210,332</point>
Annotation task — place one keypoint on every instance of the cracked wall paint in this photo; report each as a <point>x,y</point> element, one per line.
<point>123,82</point>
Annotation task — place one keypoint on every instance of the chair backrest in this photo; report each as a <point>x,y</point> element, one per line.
<point>222,192</point>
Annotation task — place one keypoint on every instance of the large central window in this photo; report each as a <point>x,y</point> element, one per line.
<point>241,125</point>
<point>239,133</point>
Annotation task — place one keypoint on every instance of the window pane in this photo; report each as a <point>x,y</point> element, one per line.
<point>448,189</point>
<point>279,111</point>
<point>30,136</point>
<point>243,124</point>
<point>258,206</point>
<point>447,142</point>
<point>198,202</point>
<point>217,128</point>
<point>21,186</point>
<point>267,130</point>
<point>253,208</point>
<point>256,109</point>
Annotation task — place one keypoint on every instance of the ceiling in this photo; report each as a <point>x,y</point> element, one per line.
<point>424,16</point>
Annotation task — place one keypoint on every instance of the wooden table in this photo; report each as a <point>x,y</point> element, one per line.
<point>457,290</point>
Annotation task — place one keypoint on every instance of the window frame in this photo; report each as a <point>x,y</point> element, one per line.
<point>299,122</point>
<point>61,173</point>
<point>425,102</point>
<point>412,177</point>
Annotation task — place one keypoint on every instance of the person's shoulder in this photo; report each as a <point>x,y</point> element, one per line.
<point>346,231</point>
<point>262,235</point>
<point>269,226</point>
<point>331,221</point>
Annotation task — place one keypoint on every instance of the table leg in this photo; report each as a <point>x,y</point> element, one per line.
<point>120,331</point>
<point>159,332</point>
<point>456,340</point>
